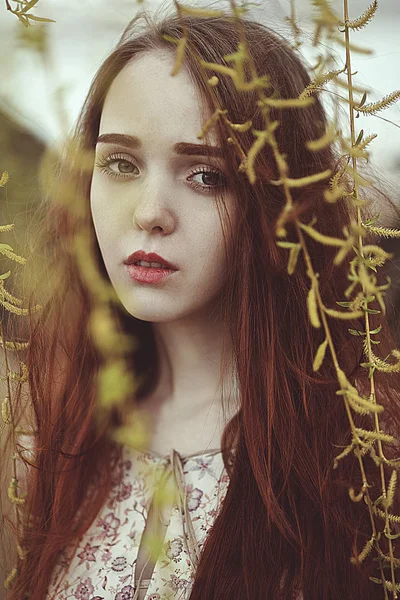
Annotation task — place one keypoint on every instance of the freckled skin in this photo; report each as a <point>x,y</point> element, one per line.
<point>158,208</point>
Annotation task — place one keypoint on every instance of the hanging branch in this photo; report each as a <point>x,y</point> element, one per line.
<point>12,304</point>
<point>21,11</point>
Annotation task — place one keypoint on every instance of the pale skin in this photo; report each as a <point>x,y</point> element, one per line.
<point>155,203</point>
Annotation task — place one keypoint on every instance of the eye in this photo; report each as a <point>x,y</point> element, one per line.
<point>124,169</point>
<point>124,165</point>
<point>210,173</point>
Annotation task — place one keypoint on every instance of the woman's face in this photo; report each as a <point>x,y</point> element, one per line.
<point>151,198</point>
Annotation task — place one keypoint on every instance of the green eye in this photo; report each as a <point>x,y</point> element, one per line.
<point>125,166</point>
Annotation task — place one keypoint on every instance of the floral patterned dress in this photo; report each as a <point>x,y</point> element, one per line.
<point>104,561</point>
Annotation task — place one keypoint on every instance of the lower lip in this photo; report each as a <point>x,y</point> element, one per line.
<point>149,274</point>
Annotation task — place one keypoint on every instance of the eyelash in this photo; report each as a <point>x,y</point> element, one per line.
<point>104,163</point>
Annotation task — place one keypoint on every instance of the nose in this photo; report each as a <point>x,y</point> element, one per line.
<point>153,211</point>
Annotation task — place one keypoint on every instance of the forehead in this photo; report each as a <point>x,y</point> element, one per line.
<point>145,100</point>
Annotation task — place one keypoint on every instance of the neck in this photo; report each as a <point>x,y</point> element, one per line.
<point>190,354</point>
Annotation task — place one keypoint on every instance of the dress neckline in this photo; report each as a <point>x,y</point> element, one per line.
<point>167,457</point>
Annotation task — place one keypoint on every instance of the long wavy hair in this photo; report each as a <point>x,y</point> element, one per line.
<point>287,523</point>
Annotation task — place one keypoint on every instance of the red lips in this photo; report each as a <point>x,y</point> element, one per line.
<point>148,257</point>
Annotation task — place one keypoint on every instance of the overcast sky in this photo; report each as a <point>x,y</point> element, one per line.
<point>86,30</point>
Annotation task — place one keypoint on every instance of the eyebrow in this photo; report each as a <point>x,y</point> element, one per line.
<point>131,141</point>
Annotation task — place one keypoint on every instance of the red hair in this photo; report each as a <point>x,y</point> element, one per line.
<point>287,522</point>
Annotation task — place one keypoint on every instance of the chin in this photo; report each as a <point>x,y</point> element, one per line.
<point>149,315</point>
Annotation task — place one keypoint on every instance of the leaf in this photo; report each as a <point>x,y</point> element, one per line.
<point>388,584</point>
<point>4,250</point>
<point>5,295</point>
<point>343,315</point>
<point>356,332</point>
<point>12,493</point>
<point>377,330</point>
<point>334,181</point>
<point>5,247</point>
<point>312,308</point>
<point>21,552</point>
<point>169,38</point>
<point>392,536</point>
<point>362,406</point>
<point>388,501</point>
<point>293,256</point>
<point>319,81</point>
<point>287,244</point>
<point>210,123</point>
<point>371,109</point>
<point>240,126</point>
<point>377,251</point>
<point>14,309</point>
<point>320,355</point>
<point>328,137</point>
<point>363,99</point>
<point>358,497</point>
<point>213,81</point>
<point>23,20</point>
<point>360,137</point>
<point>4,178</point>
<point>319,237</point>
<point>200,12</point>
<point>303,181</point>
<point>6,411</point>
<point>364,552</point>
<point>375,435</point>
<point>237,73</point>
<point>136,433</point>
<point>342,455</point>
<point>365,17</point>
<point>257,146</point>
<point>332,196</point>
<point>27,6</point>
<point>356,152</point>
<point>180,54</point>
<point>4,228</point>
<point>41,19</point>
<point>288,102</point>
<point>382,514</point>
<point>383,231</point>
<point>104,332</point>
<point>115,382</point>
<point>367,141</point>
<point>10,578</point>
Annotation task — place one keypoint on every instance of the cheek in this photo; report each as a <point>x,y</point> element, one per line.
<point>99,206</point>
<point>212,256</point>
<point>106,219</point>
<point>105,229</point>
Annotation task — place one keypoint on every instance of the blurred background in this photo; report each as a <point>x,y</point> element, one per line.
<point>46,70</point>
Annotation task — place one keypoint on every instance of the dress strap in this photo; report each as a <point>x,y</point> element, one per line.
<point>192,545</point>
<point>175,468</point>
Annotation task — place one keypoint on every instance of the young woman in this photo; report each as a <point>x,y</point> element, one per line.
<point>242,432</point>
